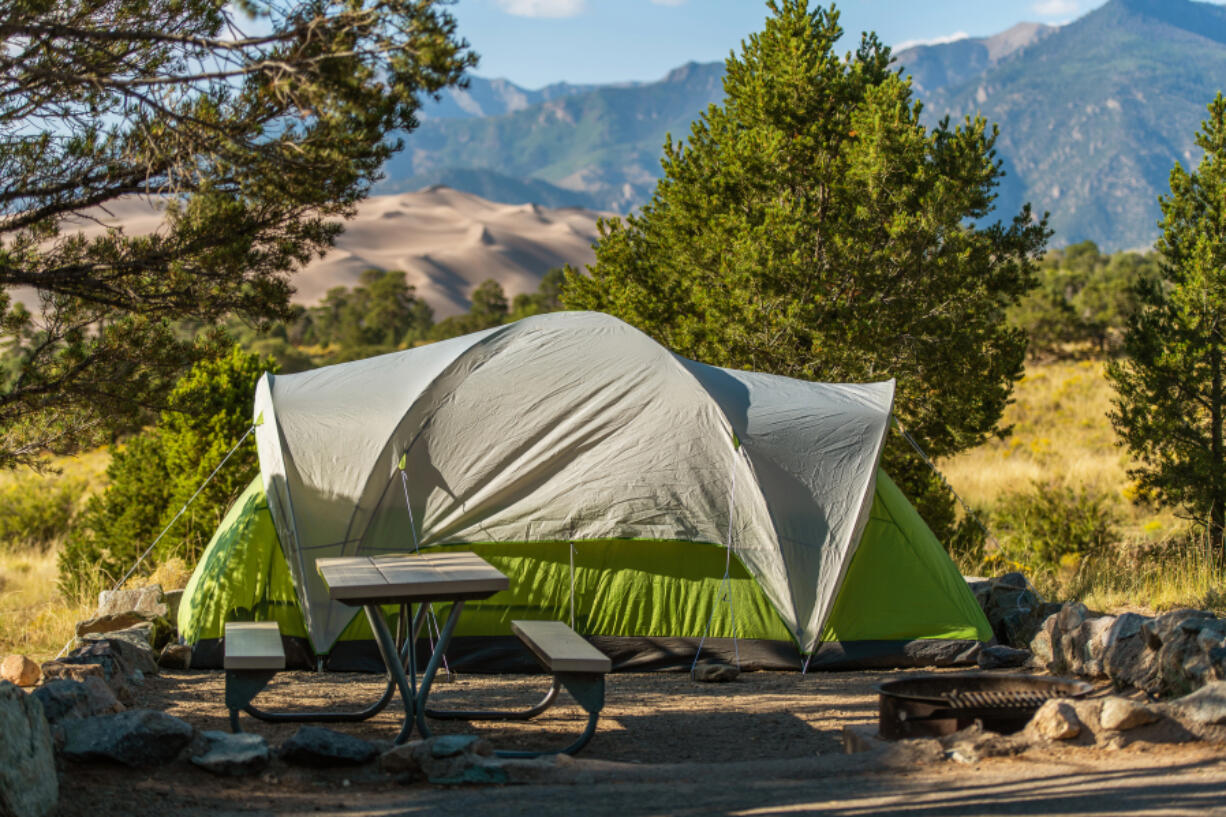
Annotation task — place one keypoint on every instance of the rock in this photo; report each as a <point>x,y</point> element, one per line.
<point>1127,659</point>
<point>1184,663</point>
<point>176,656</point>
<point>172,600</point>
<point>715,673</point>
<point>319,747</point>
<point>232,755</point>
<point>138,737</point>
<point>971,654</point>
<point>981,589</point>
<point>64,699</point>
<point>444,759</point>
<point>29,786</point>
<point>1043,645</point>
<point>148,600</point>
<point>20,670</point>
<point>1071,616</point>
<point>1014,580</point>
<point>137,652</point>
<point>1121,714</point>
<point>53,670</point>
<point>974,743</point>
<point>1206,706</point>
<point>1085,646</point>
<point>1055,720</point>
<point>156,629</point>
<point>996,656</point>
<point>114,669</point>
<point>1161,630</point>
<point>452,745</point>
<point>140,634</point>
<point>1013,610</point>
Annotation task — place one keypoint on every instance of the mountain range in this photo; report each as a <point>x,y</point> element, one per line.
<point>1092,115</point>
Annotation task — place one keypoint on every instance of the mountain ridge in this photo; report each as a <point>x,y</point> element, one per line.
<point>1093,115</point>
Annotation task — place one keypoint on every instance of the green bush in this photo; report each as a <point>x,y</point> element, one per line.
<point>36,511</point>
<point>159,470</point>
<point>1053,524</point>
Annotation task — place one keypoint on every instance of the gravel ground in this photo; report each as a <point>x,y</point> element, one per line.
<point>766,744</point>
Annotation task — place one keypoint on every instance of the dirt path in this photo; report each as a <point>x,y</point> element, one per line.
<point>768,744</point>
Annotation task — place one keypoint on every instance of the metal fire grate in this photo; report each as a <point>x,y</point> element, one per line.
<point>931,705</point>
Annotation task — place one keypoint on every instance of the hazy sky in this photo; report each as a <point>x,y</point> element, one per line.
<point>536,42</point>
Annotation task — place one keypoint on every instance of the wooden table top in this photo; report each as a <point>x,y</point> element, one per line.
<point>456,575</point>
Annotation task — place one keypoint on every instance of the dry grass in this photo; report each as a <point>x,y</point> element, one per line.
<point>1061,434</point>
<point>34,618</point>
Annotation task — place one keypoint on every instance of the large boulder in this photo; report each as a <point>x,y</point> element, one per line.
<point>29,786</point>
<point>1085,646</point>
<point>138,737</point>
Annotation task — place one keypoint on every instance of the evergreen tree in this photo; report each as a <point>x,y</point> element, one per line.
<point>1170,394</point>
<point>813,227</point>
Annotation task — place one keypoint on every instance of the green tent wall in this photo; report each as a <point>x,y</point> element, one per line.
<point>645,602</point>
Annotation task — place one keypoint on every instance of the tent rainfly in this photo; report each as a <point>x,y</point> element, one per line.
<point>653,500</point>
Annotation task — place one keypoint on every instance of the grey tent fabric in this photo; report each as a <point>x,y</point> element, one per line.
<point>570,425</point>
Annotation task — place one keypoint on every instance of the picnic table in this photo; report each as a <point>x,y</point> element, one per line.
<point>421,579</point>
<point>254,651</point>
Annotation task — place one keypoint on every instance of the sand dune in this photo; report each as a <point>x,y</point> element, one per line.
<point>447,242</point>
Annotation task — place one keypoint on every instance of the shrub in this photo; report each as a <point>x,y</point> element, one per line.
<point>1054,526</point>
<point>36,511</point>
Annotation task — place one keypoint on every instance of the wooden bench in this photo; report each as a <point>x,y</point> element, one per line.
<point>253,655</point>
<point>561,649</point>
<point>574,663</point>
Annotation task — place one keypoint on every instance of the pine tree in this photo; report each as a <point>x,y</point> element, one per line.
<point>813,227</point>
<point>1170,397</point>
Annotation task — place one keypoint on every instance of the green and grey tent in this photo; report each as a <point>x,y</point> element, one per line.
<point>655,501</point>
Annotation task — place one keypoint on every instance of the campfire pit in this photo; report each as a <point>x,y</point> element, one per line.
<point>934,705</point>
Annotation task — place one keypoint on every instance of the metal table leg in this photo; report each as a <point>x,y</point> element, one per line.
<point>436,658</point>
<point>393,659</point>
